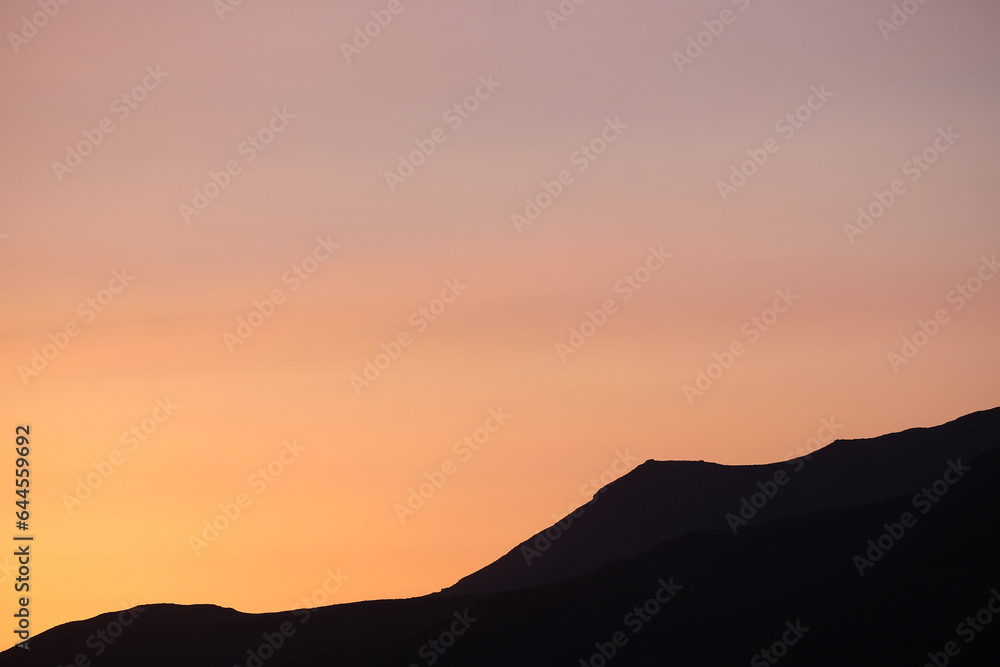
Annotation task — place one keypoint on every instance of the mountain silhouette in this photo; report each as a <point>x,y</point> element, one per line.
<point>882,551</point>
<point>664,499</point>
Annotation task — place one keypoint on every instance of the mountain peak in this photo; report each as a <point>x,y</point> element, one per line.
<point>661,500</point>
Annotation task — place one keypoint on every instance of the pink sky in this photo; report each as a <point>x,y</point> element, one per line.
<point>605,77</point>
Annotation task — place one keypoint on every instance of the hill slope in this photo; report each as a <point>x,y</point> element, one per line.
<point>664,499</point>
<point>794,586</point>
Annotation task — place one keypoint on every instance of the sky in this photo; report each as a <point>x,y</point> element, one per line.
<point>300,314</point>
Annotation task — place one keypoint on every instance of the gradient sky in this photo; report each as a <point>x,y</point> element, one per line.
<point>323,176</point>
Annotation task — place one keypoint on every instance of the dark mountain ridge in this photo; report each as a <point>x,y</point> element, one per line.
<point>789,583</point>
<point>659,500</point>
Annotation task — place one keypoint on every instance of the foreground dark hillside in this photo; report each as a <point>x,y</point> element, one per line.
<point>723,598</point>
<point>664,499</point>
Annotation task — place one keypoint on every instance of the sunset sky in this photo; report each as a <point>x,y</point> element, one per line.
<point>172,168</point>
